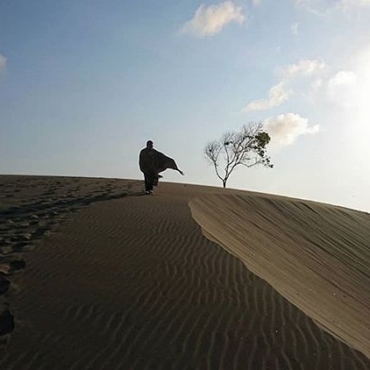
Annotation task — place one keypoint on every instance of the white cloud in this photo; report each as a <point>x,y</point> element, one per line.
<point>342,79</point>
<point>2,62</point>
<point>341,90</point>
<point>256,2</point>
<point>306,67</point>
<point>277,95</point>
<point>209,20</point>
<point>345,100</point>
<point>294,28</point>
<point>349,88</point>
<point>285,128</point>
<point>281,91</point>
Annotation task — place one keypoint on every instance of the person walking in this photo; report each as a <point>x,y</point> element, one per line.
<point>151,163</point>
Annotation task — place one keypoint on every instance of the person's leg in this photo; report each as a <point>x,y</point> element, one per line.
<point>150,182</point>
<point>147,182</point>
<point>155,180</point>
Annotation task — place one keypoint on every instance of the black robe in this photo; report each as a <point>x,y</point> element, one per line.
<point>153,163</point>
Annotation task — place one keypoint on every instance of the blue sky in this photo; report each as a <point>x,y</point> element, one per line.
<point>84,84</point>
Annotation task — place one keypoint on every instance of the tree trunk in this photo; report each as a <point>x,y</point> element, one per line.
<point>224,183</point>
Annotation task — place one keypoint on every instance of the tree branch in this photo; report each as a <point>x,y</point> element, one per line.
<point>237,148</point>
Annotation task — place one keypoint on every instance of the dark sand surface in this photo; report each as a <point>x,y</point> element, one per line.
<point>111,279</point>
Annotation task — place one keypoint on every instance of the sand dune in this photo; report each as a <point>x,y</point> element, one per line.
<point>317,256</point>
<point>122,281</point>
<point>32,208</point>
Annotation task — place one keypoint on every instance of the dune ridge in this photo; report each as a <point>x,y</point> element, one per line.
<point>315,255</point>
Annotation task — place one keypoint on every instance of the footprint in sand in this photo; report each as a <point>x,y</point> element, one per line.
<point>12,265</point>
<point>6,322</point>
<point>4,285</point>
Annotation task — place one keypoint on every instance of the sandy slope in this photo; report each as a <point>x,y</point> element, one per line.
<point>130,282</point>
<point>317,256</point>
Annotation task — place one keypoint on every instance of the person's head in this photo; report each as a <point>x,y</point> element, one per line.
<point>149,144</point>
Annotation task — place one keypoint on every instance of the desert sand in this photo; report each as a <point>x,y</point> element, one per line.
<point>95,275</point>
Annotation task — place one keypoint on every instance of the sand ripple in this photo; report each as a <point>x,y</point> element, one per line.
<point>132,283</point>
<point>315,255</point>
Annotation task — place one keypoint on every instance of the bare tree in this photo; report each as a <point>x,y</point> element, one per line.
<point>246,147</point>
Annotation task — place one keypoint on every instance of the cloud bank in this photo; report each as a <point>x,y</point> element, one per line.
<point>281,92</point>
<point>349,89</point>
<point>285,128</point>
<point>340,82</point>
<point>305,67</point>
<point>277,95</point>
<point>209,20</point>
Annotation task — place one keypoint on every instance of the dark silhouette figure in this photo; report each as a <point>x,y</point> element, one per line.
<point>151,163</point>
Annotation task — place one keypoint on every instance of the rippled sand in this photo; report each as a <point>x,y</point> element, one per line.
<point>98,276</point>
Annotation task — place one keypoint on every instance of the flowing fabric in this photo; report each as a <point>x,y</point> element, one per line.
<point>154,162</point>
<point>163,162</point>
